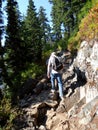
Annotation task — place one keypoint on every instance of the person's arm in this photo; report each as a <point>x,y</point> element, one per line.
<point>48,68</point>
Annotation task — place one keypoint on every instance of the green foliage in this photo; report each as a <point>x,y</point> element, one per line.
<point>84,10</point>
<point>94,2</point>
<point>47,53</point>
<point>33,31</point>
<point>45,27</point>
<point>5,107</point>
<point>62,44</point>
<point>88,28</point>
<point>13,52</point>
<point>5,110</point>
<point>73,44</point>
<point>7,114</point>
<point>33,71</point>
<point>7,92</point>
<point>65,19</point>
<point>23,46</point>
<point>47,47</point>
<point>28,43</point>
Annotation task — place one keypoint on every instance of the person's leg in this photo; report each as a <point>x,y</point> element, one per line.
<point>56,84</point>
<point>60,85</point>
<point>53,81</point>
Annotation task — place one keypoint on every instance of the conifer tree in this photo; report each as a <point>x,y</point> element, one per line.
<point>65,16</point>
<point>45,27</point>
<point>13,47</point>
<point>56,15</point>
<point>33,32</point>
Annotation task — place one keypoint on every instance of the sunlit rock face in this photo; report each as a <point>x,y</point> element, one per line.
<point>94,57</point>
<point>87,62</point>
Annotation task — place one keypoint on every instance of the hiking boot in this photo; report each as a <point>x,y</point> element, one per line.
<point>62,99</point>
<point>62,102</point>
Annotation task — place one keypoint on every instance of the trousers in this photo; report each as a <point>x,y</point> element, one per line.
<point>58,77</point>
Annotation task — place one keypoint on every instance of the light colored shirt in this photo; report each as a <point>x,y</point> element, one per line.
<point>51,63</point>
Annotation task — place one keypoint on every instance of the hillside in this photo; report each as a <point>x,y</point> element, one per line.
<point>26,100</point>
<point>41,110</point>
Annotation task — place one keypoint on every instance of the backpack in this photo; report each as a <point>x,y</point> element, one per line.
<point>59,65</point>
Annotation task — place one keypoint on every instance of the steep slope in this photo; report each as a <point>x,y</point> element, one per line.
<point>43,110</point>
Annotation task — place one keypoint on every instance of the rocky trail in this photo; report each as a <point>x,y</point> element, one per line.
<point>43,110</point>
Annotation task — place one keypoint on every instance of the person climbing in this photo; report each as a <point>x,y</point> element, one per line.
<point>53,73</point>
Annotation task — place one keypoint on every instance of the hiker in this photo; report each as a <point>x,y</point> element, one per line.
<point>49,77</point>
<point>54,74</point>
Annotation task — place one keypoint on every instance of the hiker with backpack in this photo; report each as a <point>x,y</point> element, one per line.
<point>53,71</point>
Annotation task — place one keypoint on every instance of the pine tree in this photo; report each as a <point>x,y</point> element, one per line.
<point>34,33</point>
<point>13,47</point>
<point>65,16</point>
<point>56,15</point>
<point>70,19</point>
<point>45,27</point>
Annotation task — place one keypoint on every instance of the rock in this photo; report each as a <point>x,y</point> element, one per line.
<point>27,88</point>
<point>42,127</point>
<point>40,85</point>
<point>85,120</point>
<point>51,103</point>
<point>53,96</point>
<point>80,81</point>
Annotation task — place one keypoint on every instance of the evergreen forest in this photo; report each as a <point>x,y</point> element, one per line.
<point>30,39</point>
